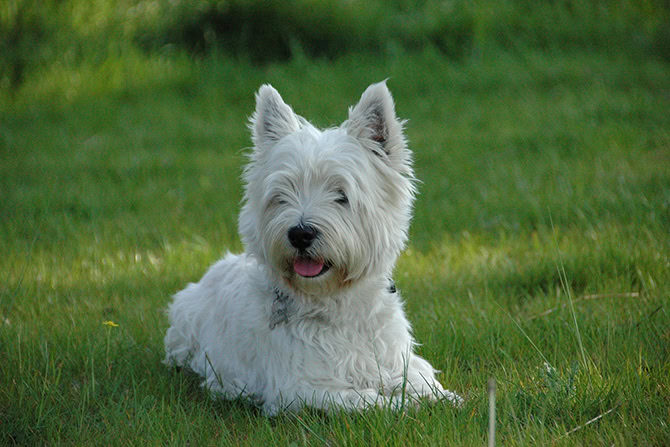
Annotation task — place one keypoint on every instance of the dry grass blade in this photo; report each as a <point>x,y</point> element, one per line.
<point>589,422</point>
<point>585,298</point>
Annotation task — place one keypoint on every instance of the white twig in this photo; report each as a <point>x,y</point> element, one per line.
<point>492,412</point>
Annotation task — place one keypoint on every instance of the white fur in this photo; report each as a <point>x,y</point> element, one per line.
<point>253,327</point>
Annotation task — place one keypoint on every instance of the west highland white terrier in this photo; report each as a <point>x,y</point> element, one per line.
<point>309,315</point>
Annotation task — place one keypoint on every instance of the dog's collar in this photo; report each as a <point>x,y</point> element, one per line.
<point>280,305</point>
<point>279,309</point>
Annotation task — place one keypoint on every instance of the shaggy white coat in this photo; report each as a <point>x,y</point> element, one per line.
<point>254,327</point>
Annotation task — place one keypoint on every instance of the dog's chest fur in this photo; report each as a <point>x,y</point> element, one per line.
<point>361,343</point>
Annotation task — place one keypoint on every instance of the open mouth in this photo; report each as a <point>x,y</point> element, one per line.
<point>309,268</point>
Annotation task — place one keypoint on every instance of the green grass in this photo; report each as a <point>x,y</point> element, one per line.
<point>539,251</point>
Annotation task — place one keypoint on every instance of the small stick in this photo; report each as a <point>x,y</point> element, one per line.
<point>492,412</point>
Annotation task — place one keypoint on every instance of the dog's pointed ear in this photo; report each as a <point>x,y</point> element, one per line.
<point>273,118</point>
<point>373,120</point>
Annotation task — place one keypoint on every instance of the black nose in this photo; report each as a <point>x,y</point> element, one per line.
<point>301,236</point>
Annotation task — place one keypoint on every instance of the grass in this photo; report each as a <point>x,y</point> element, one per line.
<point>538,253</point>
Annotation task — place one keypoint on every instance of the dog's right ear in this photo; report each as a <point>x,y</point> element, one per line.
<point>273,118</point>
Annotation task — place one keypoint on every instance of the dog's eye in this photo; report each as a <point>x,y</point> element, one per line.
<point>278,199</point>
<point>342,198</point>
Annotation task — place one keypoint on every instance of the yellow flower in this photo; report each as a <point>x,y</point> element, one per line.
<point>110,324</point>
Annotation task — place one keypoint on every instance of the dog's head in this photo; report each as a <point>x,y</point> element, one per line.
<point>325,209</point>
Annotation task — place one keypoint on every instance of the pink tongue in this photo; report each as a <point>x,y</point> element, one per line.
<point>307,267</point>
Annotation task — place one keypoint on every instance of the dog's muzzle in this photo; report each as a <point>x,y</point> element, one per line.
<point>301,237</point>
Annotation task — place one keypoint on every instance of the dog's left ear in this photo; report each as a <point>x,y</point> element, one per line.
<point>373,121</point>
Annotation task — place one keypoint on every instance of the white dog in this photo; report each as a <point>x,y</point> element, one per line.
<point>308,314</point>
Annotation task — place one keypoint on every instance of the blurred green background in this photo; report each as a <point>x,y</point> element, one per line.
<point>538,253</point>
<point>56,45</point>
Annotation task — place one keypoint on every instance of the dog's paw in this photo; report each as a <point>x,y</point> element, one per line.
<point>452,397</point>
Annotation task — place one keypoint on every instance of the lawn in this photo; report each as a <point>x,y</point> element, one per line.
<point>539,253</point>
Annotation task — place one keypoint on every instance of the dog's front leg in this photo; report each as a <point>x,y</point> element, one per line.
<point>421,382</point>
